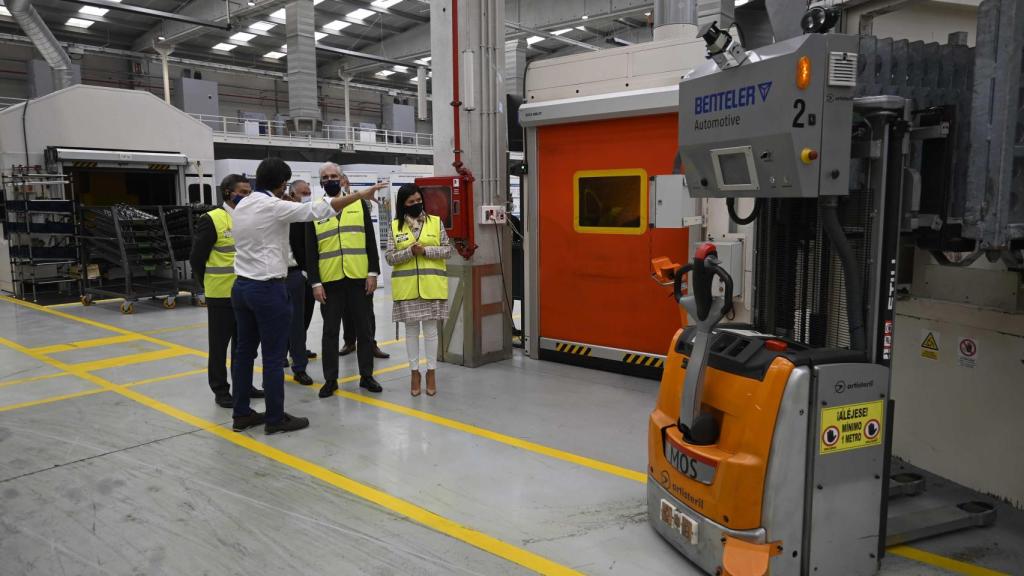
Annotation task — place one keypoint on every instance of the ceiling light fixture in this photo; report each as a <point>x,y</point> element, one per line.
<point>224,47</point>
<point>279,14</point>
<point>262,26</point>
<point>161,38</point>
<point>384,3</point>
<point>274,55</point>
<point>399,68</point>
<point>533,40</point>
<point>242,36</point>
<point>318,36</point>
<point>93,11</point>
<point>337,25</point>
<point>581,28</point>
<point>360,14</point>
<point>384,73</point>
<point>79,23</point>
<point>585,17</point>
<point>4,11</point>
<point>562,31</point>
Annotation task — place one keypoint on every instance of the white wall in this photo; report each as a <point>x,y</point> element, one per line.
<point>957,418</point>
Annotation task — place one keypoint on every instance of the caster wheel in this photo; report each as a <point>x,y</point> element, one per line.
<point>199,301</point>
<point>127,308</point>
<point>87,300</point>
<point>170,303</point>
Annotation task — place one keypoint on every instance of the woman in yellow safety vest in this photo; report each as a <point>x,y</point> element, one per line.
<point>417,250</point>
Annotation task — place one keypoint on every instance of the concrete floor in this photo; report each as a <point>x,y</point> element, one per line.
<point>516,467</point>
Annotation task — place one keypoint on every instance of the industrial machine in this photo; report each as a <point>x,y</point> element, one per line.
<point>770,444</point>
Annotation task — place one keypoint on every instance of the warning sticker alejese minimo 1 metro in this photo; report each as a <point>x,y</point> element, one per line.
<point>851,426</point>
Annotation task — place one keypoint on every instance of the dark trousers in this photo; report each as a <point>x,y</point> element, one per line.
<point>348,329</point>
<point>297,333</point>
<point>346,297</point>
<point>263,315</point>
<point>220,330</point>
<point>310,304</point>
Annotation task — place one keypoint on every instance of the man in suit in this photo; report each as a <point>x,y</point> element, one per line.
<point>343,264</point>
<point>348,331</point>
<point>213,260</point>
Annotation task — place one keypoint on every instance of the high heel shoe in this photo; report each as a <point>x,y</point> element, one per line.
<point>415,391</point>
<point>431,382</point>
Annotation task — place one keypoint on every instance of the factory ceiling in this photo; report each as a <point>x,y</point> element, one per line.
<point>394,29</point>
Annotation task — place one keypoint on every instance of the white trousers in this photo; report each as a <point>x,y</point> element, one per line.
<point>412,343</point>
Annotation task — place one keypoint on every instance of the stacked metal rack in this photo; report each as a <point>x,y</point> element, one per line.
<point>38,225</point>
<point>141,252</point>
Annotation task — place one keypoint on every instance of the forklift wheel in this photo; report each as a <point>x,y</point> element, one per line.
<point>127,308</point>
<point>170,303</point>
<point>86,299</point>
<point>199,301</point>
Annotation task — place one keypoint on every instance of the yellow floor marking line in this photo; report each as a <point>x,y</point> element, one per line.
<point>957,566</point>
<point>119,361</point>
<point>7,383</point>
<point>79,303</point>
<point>165,378</point>
<point>482,432</point>
<point>50,400</point>
<point>82,344</point>
<point>487,543</point>
<point>170,329</point>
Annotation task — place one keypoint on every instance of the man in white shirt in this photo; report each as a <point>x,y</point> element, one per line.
<point>260,294</point>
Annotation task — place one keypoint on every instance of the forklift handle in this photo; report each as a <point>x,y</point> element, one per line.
<point>726,279</point>
<point>677,280</point>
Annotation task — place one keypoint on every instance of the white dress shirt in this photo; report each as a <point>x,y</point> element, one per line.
<point>260,227</point>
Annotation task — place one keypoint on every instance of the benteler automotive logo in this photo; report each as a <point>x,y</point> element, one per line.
<point>731,99</point>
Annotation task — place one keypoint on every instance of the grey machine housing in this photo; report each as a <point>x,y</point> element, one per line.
<point>742,130</point>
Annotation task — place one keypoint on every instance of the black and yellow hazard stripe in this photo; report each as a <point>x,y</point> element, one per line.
<point>159,166</point>
<point>643,360</point>
<point>574,349</point>
<point>83,164</point>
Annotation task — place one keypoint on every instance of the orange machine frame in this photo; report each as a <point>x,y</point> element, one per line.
<point>595,288</point>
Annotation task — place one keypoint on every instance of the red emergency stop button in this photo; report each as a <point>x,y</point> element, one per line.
<point>775,345</point>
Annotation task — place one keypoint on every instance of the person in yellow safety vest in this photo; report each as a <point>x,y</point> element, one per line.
<point>213,260</point>
<point>342,264</point>
<point>417,250</point>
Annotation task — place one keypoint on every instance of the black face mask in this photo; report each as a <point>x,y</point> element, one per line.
<point>331,187</point>
<point>414,210</point>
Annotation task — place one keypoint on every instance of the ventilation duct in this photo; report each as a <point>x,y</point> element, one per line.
<point>672,18</point>
<point>302,81</point>
<point>44,41</point>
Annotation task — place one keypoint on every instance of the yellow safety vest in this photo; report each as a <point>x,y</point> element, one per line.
<point>419,278</point>
<point>341,243</point>
<point>219,277</point>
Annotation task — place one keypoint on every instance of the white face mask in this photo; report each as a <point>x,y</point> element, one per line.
<point>306,199</point>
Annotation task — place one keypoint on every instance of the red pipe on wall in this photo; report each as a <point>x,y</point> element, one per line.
<point>467,249</point>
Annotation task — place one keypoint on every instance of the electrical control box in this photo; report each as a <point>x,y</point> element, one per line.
<point>776,126</point>
<point>671,205</point>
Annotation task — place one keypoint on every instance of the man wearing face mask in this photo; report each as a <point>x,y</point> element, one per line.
<point>343,264</point>
<point>348,331</point>
<point>213,260</point>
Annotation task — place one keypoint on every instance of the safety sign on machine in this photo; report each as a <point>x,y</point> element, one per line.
<point>851,426</point>
<point>968,348</point>
<point>930,344</point>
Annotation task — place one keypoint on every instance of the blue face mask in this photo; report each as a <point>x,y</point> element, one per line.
<point>332,187</point>
<point>236,198</point>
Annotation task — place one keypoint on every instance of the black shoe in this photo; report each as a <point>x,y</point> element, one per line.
<point>378,353</point>
<point>257,393</point>
<point>288,424</point>
<point>347,349</point>
<point>370,384</point>
<point>328,389</point>
<point>303,378</point>
<point>224,400</point>
<point>240,423</point>
<point>310,354</point>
